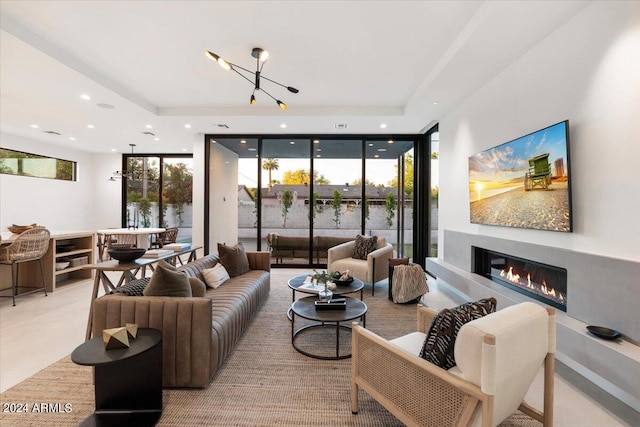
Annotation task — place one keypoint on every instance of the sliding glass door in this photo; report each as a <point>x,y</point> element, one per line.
<point>300,195</point>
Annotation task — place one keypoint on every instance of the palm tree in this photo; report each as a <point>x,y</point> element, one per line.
<point>269,165</point>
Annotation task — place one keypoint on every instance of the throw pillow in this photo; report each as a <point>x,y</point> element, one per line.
<point>438,347</point>
<point>134,288</point>
<point>198,288</point>
<point>234,259</point>
<point>364,246</point>
<point>215,276</point>
<point>167,281</point>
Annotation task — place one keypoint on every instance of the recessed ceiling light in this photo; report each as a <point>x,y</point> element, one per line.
<point>284,125</point>
<point>114,149</point>
<point>318,149</point>
<point>371,144</point>
<point>376,155</point>
<point>318,155</point>
<point>184,149</point>
<point>213,141</point>
<point>187,125</point>
<point>257,155</point>
<point>383,125</point>
<point>105,106</point>
<point>91,126</point>
<point>382,149</point>
<point>156,139</point>
<point>251,149</point>
<point>35,126</point>
<point>72,138</point>
<point>390,141</point>
<point>243,141</point>
<point>435,102</point>
<point>316,141</point>
<point>85,97</point>
<point>148,126</point>
<point>292,142</point>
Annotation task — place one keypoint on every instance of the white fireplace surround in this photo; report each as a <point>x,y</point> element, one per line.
<point>601,291</point>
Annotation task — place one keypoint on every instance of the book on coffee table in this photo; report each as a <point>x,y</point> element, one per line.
<point>157,253</point>
<point>334,304</point>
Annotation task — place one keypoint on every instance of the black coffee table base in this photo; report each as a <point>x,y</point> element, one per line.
<point>325,319</point>
<point>337,328</point>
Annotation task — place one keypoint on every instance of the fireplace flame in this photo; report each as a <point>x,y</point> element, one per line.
<point>514,277</point>
<point>510,275</point>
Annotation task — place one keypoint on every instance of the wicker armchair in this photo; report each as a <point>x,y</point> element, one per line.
<point>497,357</point>
<point>30,245</point>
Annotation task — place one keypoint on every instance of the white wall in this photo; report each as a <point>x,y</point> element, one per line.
<point>58,205</point>
<point>587,71</point>
<point>223,201</point>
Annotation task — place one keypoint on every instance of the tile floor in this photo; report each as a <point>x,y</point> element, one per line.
<point>39,331</point>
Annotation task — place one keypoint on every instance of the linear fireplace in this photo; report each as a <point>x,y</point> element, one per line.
<point>543,282</point>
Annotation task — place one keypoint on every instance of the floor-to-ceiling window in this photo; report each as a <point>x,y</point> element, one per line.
<point>286,183</point>
<point>295,190</point>
<point>389,192</point>
<point>158,192</point>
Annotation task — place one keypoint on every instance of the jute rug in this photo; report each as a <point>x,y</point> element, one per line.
<point>265,382</point>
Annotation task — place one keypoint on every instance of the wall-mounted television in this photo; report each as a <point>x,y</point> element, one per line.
<point>524,183</point>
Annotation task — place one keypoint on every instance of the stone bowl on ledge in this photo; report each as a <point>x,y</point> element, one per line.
<point>126,255</point>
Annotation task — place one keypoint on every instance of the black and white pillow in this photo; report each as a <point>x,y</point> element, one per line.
<point>364,246</point>
<point>135,288</point>
<point>438,347</point>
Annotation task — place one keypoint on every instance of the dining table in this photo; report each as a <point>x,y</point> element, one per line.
<point>143,235</point>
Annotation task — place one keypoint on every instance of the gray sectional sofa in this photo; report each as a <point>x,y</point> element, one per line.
<point>197,333</point>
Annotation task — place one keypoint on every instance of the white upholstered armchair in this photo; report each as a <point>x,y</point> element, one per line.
<point>370,270</point>
<point>497,356</point>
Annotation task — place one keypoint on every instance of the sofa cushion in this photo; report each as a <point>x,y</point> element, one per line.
<point>234,259</point>
<point>134,288</point>
<point>364,246</point>
<point>439,344</point>
<point>215,276</point>
<point>167,281</point>
<point>198,288</point>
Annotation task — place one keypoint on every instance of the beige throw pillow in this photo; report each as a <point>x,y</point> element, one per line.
<point>215,276</point>
<point>234,259</point>
<point>167,281</point>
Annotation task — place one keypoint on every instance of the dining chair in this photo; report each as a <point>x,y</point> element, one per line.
<point>30,245</point>
<point>166,237</point>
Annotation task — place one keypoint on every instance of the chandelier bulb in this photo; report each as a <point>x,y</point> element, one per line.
<point>253,100</point>
<point>281,104</point>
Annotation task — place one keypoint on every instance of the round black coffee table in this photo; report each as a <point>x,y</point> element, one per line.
<point>297,285</point>
<point>306,308</point>
<point>128,381</point>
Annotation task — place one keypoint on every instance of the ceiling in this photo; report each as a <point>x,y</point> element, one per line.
<point>404,64</point>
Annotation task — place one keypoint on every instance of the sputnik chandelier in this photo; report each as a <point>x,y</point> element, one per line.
<point>127,174</point>
<point>261,56</point>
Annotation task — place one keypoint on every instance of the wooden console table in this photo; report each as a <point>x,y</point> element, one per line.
<point>72,244</point>
<point>129,271</point>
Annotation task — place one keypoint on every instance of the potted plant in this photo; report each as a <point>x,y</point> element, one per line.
<point>322,278</point>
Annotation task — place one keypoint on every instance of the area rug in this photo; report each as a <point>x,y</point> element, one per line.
<point>264,382</point>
